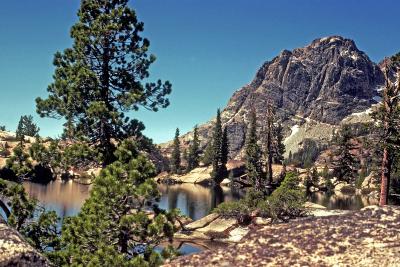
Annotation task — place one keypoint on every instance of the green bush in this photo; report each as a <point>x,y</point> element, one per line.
<point>233,209</point>
<point>284,203</point>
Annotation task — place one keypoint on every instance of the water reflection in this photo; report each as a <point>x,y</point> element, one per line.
<point>342,201</point>
<point>195,201</point>
<point>66,198</point>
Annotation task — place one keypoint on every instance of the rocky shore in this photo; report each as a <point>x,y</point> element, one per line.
<point>369,237</point>
<point>214,227</point>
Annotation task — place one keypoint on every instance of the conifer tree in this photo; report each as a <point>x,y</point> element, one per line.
<point>26,127</point>
<point>23,213</point>
<point>388,119</point>
<point>219,151</point>
<point>176,154</point>
<point>314,176</point>
<point>345,164</point>
<point>114,227</point>
<point>253,154</point>
<point>224,148</point>
<point>290,157</point>
<point>103,76</point>
<point>20,162</point>
<point>268,142</point>
<point>194,151</point>
<point>279,147</point>
<point>207,157</point>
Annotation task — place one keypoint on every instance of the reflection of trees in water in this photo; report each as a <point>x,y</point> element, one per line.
<point>217,196</point>
<point>173,198</point>
<point>341,201</point>
<point>66,198</point>
<point>195,201</point>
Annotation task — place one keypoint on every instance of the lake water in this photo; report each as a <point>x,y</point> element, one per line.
<point>194,201</point>
<point>66,198</point>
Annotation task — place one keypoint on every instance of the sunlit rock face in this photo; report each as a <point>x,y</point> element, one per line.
<point>15,251</point>
<point>369,237</point>
<point>323,82</point>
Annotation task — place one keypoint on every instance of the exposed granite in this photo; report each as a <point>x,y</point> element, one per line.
<point>370,237</point>
<point>15,251</point>
<point>323,82</point>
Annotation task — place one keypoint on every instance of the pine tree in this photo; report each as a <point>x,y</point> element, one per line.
<point>314,175</point>
<point>207,157</point>
<point>345,164</point>
<point>26,127</point>
<point>387,118</point>
<point>219,151</point>
<point>290,157</point>
<point>20,162</point>
<point>224,149</point>
<point>194,151</point>
<point>120,223</point>
<point>278,146</point>
<point>176,154</point>
<point>253,154</point>
<point>268,142</point>
<point>103,76</point>
<point>23,213</point>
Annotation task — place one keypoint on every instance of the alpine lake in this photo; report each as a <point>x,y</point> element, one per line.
<point>194,201</point>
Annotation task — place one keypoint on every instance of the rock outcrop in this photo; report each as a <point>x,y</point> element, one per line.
<point>15,251</point>
<point>369,237</point>
<point>370,183</point>
<point>317,85</point>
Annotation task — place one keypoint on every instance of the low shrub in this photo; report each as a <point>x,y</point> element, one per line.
<point>233,209</point>
<point>284,203</point>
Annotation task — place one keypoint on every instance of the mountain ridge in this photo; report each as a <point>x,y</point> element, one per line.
<point>323,82</point>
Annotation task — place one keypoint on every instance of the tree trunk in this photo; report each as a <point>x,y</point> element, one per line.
<point>269,149</point>
<point>384,179</point>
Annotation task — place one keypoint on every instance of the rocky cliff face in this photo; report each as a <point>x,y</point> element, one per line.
<point>322,82</point>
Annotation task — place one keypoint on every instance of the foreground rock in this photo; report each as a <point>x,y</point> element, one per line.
<point>213,227</point>
<point>370,183</point>
<point>369,237</point>
<point>15,251</point>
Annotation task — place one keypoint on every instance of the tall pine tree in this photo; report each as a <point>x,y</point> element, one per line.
<point>387,118</point>
<point>253,154</point>
<point>176,154</point>
<point>194,151</point>
<point>102,76</point>
<point>219,151</point>
<point>268,142</point>
<point>278,146</point>
<point>345,164</point>
<point>207,157</point>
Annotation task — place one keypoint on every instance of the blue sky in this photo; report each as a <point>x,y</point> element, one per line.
<point>206,48</point>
